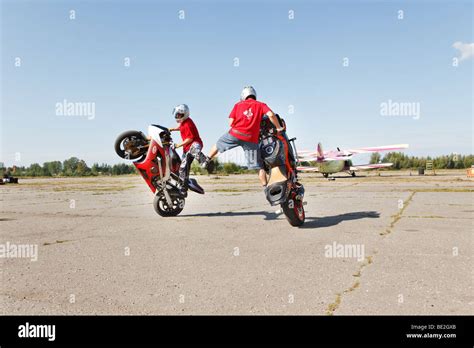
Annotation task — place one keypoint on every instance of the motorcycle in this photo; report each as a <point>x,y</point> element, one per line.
<point>158,163</point>
<point>280,162</point>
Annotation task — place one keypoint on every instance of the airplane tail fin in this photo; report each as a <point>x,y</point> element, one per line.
<point>320,152</point>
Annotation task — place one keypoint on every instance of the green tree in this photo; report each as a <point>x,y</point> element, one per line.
<point>82,169</point>
<point>35,170</point>
<point>122,168</point>
<point>52,168</point>
<point>70,166</point>
<point>375,158</point>
<point>196,168</point>
<point>231,168</point>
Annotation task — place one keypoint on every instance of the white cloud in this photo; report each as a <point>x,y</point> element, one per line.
<point>466,50</point>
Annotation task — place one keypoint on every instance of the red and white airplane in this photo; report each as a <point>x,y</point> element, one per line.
<point>331,162</point>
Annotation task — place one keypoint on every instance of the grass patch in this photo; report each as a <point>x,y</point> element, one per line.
<point>426,217</point>
<point>353,287</point>
<point>231,190</point>
<point>437,217</point>
<point>398,216</point>
<point>102,189</point>
<point>333,306</point>
<point>57,242</point>
<point>444,189</point>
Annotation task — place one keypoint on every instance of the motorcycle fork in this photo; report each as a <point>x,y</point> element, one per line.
<point>164,178</point>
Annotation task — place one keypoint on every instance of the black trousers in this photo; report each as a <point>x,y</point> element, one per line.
<point>194,152</point>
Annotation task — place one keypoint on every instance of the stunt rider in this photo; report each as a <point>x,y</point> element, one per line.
<point>192,144</point>
<point>244,121</point>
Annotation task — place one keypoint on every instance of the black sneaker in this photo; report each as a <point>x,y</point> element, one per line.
<point>208,165</point>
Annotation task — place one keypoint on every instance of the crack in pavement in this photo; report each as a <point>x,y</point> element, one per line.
<point>397,216</point>
<point>332,307</point>
<point>335,305</point>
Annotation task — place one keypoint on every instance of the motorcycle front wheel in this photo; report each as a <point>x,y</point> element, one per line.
<point>294,210</point>
<point>162,207</point>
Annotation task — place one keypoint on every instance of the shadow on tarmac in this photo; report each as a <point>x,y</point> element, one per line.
<point>311,222</point>
<point>267,215</point>
<point>327,221</point>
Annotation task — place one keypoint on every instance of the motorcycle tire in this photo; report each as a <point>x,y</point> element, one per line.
<point>132,134</point>
<point>294,211</point>
<point>161,205</point>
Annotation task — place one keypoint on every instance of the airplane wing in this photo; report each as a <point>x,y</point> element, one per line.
<point>314,157</point>
<point>377,149</point>
<point>307,169</point>
<point>328,156</point>
<point>306,154</point>
<point>337,158</point>
<point>344,155</point>
<point>309,155</point>
<point>370,166</point>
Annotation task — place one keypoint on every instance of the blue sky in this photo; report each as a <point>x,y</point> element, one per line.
<point>296,62</point>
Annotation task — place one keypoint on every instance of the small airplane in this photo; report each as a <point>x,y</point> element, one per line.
<point>331,162</point>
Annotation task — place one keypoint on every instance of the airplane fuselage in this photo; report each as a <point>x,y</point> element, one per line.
<point>332,167</point>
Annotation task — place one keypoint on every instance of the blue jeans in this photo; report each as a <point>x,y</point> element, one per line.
<point>251,150</point>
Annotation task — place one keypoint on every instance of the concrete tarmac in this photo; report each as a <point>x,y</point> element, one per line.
<point>389,244</point>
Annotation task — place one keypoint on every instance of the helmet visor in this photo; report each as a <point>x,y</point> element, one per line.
<point>179,116</point>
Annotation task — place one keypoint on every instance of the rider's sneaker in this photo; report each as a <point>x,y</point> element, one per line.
<point>205,164</point>
<point>208,165</point>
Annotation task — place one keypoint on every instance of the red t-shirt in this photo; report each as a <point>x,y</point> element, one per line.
<point>188,130</point>
<point>247,115</point>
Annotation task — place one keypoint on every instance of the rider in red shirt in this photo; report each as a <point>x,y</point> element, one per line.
<point>192,144</point>
<point>244,121</point>
<point>189,134</point>
<point>246,117</point>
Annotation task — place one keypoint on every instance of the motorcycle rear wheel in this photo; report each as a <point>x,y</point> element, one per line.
<point>163,209</point>
<point>294,211</point>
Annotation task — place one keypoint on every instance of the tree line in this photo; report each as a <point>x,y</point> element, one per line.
<point>71,167</point>
<point>77,167</point>
<point>402,161</point>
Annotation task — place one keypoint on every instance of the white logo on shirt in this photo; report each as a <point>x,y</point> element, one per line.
<point>248,113</point>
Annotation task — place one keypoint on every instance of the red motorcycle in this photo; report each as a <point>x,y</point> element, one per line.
<point>280,163</point>
<point>158,163</point>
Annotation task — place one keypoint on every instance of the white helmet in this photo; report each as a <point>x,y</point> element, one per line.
<point>248,91</point>
<point>181,112</point>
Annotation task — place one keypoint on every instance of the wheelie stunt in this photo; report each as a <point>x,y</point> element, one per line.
<point>159,164</point>
<point>280,162</point>
<point>253,126</point>
<point>262,135</point>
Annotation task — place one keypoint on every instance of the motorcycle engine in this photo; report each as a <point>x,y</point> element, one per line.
<point>272,151</point>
